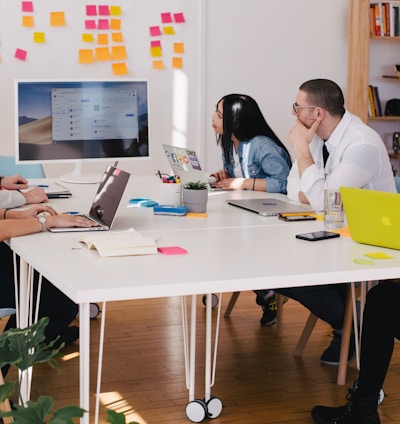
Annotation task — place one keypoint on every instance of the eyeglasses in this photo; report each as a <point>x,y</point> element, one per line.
<point>296,108</point>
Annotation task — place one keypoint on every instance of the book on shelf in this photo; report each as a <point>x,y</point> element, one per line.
<point>119,243</point>
<point>374,104</point>
<point>384,19</point>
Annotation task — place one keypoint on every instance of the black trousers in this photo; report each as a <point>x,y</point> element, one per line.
<point>53,303</point>
<point>381,325</point>
<point>327,302</point>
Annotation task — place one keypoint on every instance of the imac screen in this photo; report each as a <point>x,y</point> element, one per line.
<point>81,120</point>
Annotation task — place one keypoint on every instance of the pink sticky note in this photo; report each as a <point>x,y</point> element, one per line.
<point>90,24</point>
<point>155,31</point>
<point>155,43</point>
<point>104,10</point>
<point>103,24</point>
<point>91,10</point>
<point>172,250</point>
<point>20,54</point>
<point>166,18</point>
<point>179,18</point>
<point>27,6</point>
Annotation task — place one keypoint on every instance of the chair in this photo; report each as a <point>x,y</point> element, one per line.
<point>9,167</point>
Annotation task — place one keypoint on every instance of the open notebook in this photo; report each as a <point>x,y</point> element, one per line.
<point>106,201</point>
<point>372,216</point>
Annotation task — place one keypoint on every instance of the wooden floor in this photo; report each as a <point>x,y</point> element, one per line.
<point>258,379</point>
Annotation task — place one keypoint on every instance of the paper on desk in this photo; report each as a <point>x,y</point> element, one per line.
<point>119,243</point>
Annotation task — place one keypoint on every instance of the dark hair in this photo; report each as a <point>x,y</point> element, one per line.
<point>242,118</point>
<point>326,94</point>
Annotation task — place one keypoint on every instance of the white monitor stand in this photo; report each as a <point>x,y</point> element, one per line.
<point>77,177</point>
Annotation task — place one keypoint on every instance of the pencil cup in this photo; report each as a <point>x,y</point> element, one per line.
<point>333,209</point>
<point>171,194</point>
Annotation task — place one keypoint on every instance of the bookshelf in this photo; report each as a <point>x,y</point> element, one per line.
<point>370,62</point>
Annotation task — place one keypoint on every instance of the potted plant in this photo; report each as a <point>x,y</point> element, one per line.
<point>24,348</point>
<point>195,196</point>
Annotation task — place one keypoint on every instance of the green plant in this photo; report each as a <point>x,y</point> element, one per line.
<point>24,348</point>
<point>196,185</point>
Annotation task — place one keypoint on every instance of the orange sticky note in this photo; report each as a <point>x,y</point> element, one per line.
<point>28,21</point>
<point>38,37</point>
<point>115,24</point>
<point>102,38</point>
<point>118,53</point>
<point>196,215</point>
<point>155,51</point>
<point>103,53</point>
<point>177,62</point>
<point>120,69</point>
<point>179,48</point>
<point>57,19</point>
<point>169,30</point>
<point>86,56</point>
<point>117,37</point>
<point>158,64</point>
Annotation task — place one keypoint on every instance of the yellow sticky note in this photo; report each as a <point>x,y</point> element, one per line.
<point>155,51</point>
<point>158,64</point>
<point>117,37</point>
<point>118,53</point>
<point>378,255</point>
<point>57,19</point>
<point>196,215</point>
<point>28,21</point>
<point>38,37</point>
<point>86,56</point>
<point>169,30</point>
<point>88,38</point>
<point>102,38</point>
<point>115,10</point>
<point>177,62</point>
<point>103,53</point>
<point>115,24</point>
<point>120,69</point>
<point>363,261</point>
<point>179,48</point>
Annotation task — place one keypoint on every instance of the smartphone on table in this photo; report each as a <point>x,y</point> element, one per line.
<point>317,235</point>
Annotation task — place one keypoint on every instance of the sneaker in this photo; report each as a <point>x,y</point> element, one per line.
<point>269,310</point>
<point>331,355</point>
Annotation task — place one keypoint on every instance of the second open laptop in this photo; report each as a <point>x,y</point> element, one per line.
<point>106,201</point>
<point>269,206</point>
<point>372,216</point>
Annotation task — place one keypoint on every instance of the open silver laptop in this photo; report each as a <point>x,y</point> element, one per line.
<point>185,163</point>
<point>269,207</point>
<point>106,201</point>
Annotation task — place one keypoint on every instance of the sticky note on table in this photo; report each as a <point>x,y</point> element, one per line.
<point>172,250</point>
<point>378,255</point>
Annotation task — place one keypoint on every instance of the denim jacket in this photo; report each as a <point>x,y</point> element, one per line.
<point>260,157</point>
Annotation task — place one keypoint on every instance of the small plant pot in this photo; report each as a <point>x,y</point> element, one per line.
<point>195,200</point>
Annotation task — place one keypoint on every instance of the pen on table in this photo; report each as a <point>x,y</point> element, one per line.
<point>159,174</point>
<point>42,186</point>
<point>71,213</point>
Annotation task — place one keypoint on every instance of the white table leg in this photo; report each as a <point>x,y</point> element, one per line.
<point>84,359</point>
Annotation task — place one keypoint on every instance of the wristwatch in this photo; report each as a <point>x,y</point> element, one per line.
<point>43,221</point>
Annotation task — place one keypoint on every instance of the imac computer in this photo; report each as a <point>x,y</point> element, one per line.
<point>81,120</point>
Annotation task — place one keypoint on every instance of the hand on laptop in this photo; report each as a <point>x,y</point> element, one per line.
<point>67,221</point>
<point>31,212</point>
<point>234,184</point>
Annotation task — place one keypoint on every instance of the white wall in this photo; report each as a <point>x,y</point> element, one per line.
<point>259,47</point>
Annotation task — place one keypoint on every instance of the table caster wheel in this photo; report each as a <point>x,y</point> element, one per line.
<point>214,300</point>
<point>196,411</point>
<point>94,310</point>
<point>214,407</point>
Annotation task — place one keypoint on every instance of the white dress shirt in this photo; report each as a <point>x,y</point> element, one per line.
<point>11,199</point>
<point>357,158</point>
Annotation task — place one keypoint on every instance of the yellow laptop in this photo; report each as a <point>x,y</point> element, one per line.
<point>373,216</point>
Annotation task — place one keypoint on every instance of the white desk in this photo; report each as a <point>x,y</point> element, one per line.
<point>232,250</point>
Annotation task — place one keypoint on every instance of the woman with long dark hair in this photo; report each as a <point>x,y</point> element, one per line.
<point>253,156</point>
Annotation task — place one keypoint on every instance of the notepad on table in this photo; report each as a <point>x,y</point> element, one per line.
<point>120,243</point>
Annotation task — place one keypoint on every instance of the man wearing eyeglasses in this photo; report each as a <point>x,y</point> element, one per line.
<point>355,156</point>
